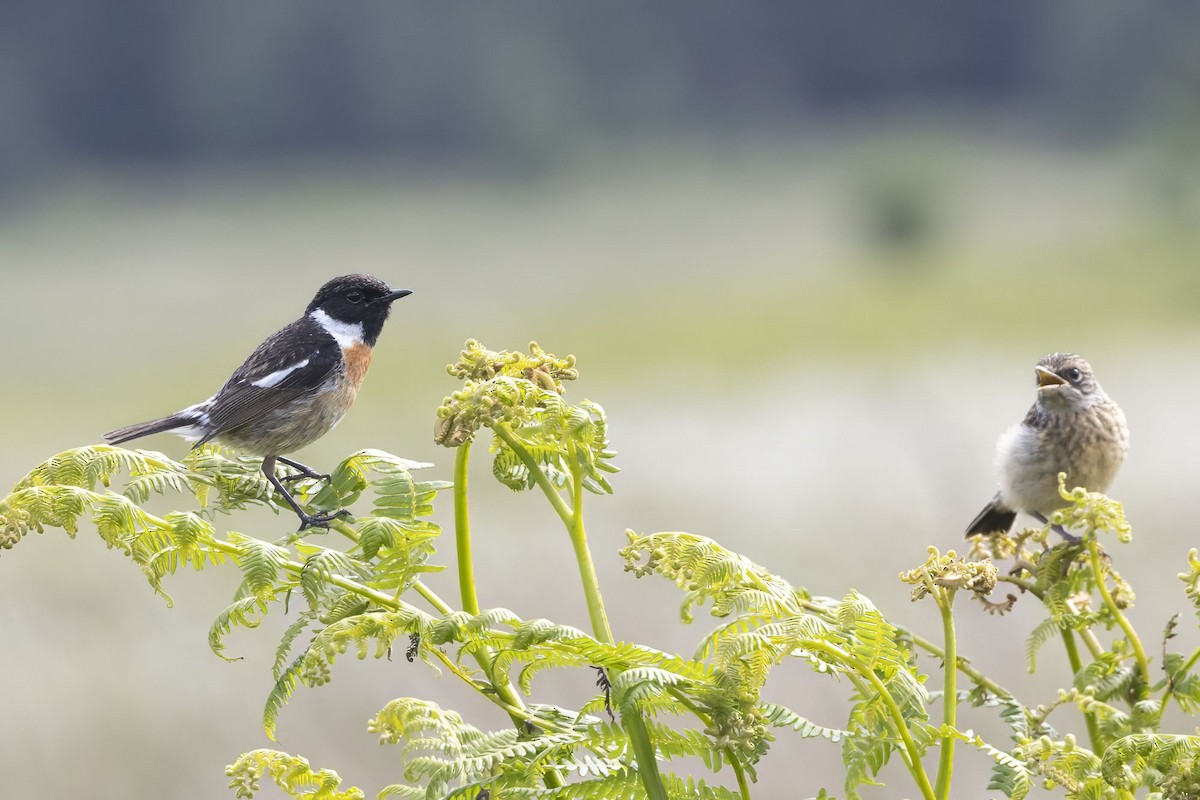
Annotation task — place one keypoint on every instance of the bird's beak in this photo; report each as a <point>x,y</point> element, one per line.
<point>1046,378</point>
<point>396,295</point>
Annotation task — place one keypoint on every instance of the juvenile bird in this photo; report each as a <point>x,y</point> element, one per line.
<point>294,387</point>
<point>1073,427</point>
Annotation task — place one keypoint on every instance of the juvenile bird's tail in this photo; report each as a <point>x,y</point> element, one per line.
<point>186,423</point>
<point>994,518</point>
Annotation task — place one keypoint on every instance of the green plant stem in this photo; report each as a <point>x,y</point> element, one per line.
<point>504,695</point>
<point>913,759</point>
<point>1130,634</point>
<point>1170,690</point>
<point>462,532</point>
<point>735,762</point>
<point>556,502</point>
<point>583,557</point>
<point>486,657</point>
<point>432,598</point>
<point>572,517</point>
<point>945,603</point>
<point>1089,718</point>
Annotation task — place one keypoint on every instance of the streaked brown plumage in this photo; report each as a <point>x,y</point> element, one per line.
<point>1072,427</point>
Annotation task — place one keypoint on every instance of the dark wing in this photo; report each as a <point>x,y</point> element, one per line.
<point>994,518</point>
<point>295,361</point>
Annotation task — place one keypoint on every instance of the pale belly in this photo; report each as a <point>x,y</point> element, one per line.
<point>1028,462</point>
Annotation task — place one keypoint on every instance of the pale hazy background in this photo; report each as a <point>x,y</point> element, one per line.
<point>806,254</point>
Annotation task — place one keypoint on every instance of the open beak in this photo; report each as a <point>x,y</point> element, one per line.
<point>396,295</point>
<point>1047,379</point>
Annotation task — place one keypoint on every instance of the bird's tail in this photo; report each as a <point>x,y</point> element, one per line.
<point>994,518</point>
<point>187,423</point>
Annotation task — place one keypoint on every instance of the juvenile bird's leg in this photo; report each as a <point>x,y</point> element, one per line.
<point>302,471</point>
<point>306,520</point>
<point>1059,529</point>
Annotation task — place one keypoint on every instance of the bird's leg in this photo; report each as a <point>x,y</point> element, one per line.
<point>306,520</point>
<point>1059,529</point>
<point>302,471</point>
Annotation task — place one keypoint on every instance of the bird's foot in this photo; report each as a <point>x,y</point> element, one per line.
<point>321,520</point>
<point>1059,529</point>
<point>1067,537</point>
<point>302,471</point>
<point>307,473</point>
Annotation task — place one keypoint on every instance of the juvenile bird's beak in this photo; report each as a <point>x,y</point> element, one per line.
<point>1046,378</point>
<point>396,295</point>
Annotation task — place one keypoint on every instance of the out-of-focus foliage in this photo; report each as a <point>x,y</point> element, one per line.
<point>183,81</point>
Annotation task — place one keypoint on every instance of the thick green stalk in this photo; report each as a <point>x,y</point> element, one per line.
<point>572,517</point>
<point>859,670</point>
<point>583,557</point>
<point>1093,726</point>
<point>945,603</point>
<point>486,657</point>
<point>1130,634</point>
<point>556,502</point>
<point>462,531</point>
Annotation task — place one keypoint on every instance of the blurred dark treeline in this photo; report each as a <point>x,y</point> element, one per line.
<point>91,80</point>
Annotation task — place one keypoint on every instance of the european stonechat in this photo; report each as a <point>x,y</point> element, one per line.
<point>1073,427</point>
<point>294,387</point>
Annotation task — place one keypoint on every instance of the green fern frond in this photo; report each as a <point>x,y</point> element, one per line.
<point>782,717</point>
<point>321,564</point>
<point>539,645</point>
<point>727,630</point>
<point>261,563</point>
<point>123,526</point>
<point>1168,763</point>
<point>238,480</point>
<point>292,774</point>
<point>511,471</point>
<point>1106,676</point>
<point>621,785</point>
<point>192,536</point>
<point>343,606</point>
<point>246,612</point>
<point>1191,579</point>
<point>863,757</point>
<point>1009,774</point>
<point>706,571</point>
<point>284,648</point>
<point>1043,632</point>
<point>1075,768</point>
<point>281,692</point>
<point>87,467</point>
<point>377,533</point>
<point>380,628</point>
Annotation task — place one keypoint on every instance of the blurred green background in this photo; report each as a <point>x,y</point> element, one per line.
<point>806,254</point>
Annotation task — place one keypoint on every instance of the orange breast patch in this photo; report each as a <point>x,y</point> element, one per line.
<point>358,358</point>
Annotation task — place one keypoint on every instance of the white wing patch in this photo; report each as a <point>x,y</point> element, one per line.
<point>195,430</point>
<point>269,381</point>
<point>347,334</point>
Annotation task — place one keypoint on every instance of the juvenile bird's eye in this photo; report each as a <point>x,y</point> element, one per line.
<point>1073,374</point>
<point>357,297</point>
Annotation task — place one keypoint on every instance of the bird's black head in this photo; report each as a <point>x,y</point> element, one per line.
<point>357,300</point>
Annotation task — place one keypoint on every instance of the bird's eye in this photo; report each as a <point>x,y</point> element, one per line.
<point>357,297</point>
<point>1073,375</point>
